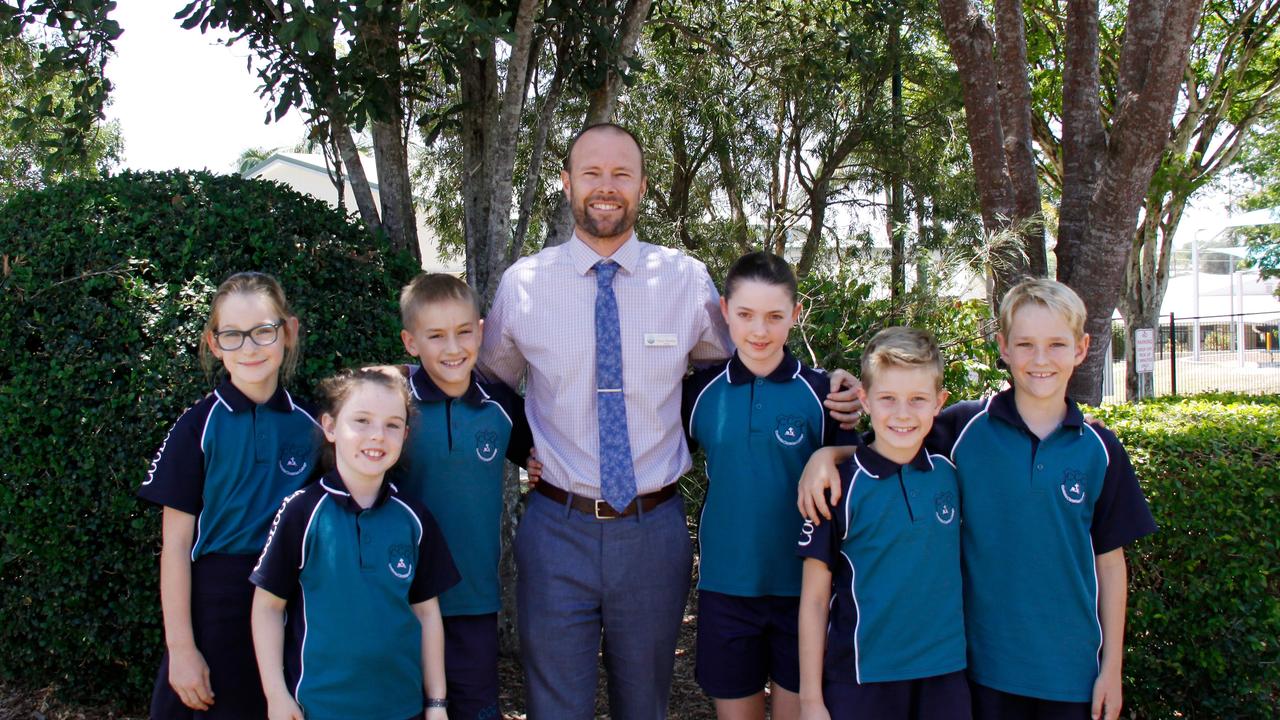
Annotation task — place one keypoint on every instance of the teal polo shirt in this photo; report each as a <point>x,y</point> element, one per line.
<point>230,461</point>
<point>453,464</point>
<point>893,547</point>
<point>1037,512</point>
<point>758,433</point>
<point>353,645</point>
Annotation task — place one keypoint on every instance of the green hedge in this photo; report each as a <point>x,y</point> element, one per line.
<point>1204,603</point>
<point>104,287</point>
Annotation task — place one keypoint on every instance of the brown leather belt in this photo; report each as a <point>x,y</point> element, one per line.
<point>602,510</point>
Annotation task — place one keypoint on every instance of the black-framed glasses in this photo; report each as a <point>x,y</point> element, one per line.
<point>261,335</point>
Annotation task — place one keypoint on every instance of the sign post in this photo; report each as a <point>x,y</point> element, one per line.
<point>1144,359</point>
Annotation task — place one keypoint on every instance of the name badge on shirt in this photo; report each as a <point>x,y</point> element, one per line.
<point>659,340</point>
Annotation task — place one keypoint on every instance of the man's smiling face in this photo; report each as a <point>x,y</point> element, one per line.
<point>604,182</point>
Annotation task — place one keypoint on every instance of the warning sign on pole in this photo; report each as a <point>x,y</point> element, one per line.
<point>1144,350</point>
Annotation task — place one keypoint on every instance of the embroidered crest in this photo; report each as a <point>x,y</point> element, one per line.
<point>400,561</point>
<point>789,430</point>
<point>944,507</point>
<point>1073,486</point>
<point>294,459</point>
<point>487,445</point>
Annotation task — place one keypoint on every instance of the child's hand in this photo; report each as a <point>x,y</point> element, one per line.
<point>820,474</point>
<point>189,678</point>
<point>431,714</point>
<point>1107,696</point>
<point>842,401</point>
<point>283,707</point>
<point>534,468</point>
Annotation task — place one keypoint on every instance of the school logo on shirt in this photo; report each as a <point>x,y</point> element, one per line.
<point>790,430</point>
<point>944,507</point>
<point>293,459</point>
<point>400,561</point>
<point>1073,486</point>
<point>487,445</point>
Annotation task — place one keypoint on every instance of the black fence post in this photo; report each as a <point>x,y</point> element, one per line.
<point>1173,356</point>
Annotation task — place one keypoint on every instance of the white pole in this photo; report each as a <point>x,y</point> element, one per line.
<point>1195,295</point>
<point>1240,317</point>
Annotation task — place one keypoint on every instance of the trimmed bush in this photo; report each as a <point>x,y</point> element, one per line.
<point>1204,603</point>
<point>103,292</point>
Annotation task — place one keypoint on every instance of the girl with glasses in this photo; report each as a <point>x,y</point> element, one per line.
<point>220,476</point>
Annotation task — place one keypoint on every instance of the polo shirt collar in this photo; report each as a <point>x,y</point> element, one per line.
<point>332,484</point>
<point>1004,408</point>
<point>879,466</point>
<point>584,258</point>
<point>238,402</point>
<point>739,374</point>
<point>425,389</point>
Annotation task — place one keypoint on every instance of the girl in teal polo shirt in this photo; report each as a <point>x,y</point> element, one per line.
<point>359,568</point>
<point>220,475</point>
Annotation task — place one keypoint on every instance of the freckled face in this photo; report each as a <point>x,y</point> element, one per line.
<point>367,433</point>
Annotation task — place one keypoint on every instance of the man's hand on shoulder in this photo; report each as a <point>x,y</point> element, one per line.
<point>842,401</point>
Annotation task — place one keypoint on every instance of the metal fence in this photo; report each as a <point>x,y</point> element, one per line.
<point>1239,353</point>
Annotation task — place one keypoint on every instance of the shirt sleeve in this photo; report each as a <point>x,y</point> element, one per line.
<point>436,571</point>
<point>691,389</point>
<point>500,359</point>
<point>948,425</point>
<point>176,477</point>
<point>280,564</point>
<point>713,334</point>
<point>822,542</point>
<point>521,439</point>
<point>1121,514</point>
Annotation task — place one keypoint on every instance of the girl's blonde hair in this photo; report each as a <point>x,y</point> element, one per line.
<point>1050,294</point>
<point>251,283</point>
<point>334,392</point>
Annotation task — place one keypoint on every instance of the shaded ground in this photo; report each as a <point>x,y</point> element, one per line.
<point>687,700</point>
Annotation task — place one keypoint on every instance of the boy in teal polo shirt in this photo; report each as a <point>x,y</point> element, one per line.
<point>1050,501</point>
<point>890,644</point>
<point>454,464</point>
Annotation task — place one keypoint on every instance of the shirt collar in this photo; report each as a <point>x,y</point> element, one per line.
<point>237,401</point>
<point>739,374</point>
<point>584,258</point>
<point>332,484</point>
<point>425,389</point>
<point>879,466</point>
<point>1005,408</point>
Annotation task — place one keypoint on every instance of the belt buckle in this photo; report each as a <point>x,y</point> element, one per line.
<point>614,515</point>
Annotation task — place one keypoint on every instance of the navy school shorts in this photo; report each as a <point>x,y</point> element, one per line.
<point>221,600</point>
<point>471,666</point>
<point>744,642</point>
<point>991,704</point>
<point>941,697</point>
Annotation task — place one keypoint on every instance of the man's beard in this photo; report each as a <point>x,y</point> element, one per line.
<point>598,228</point>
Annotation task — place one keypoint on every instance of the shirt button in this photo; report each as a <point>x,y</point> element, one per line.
<point>759,381</point>
<point>365,539</point>
<point>915,493</point>
<point>759,406</point>
<point>1040,467</point>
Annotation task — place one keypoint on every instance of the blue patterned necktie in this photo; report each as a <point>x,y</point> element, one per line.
<point>617,476</point>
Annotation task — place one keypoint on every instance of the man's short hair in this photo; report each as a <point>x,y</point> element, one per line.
<point>1051,294</point>
<point>616,129</point>
<point>430,288</point>
<point>901,347</point>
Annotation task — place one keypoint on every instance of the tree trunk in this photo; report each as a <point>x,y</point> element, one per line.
<point>603,101</point>
<point>1015,114</point>
<point>1096,266</point>
<point>394,188</point>
<point>479,83</point>
<point>356,176</point>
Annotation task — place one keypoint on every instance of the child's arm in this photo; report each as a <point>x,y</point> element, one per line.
<point>268,644</point>
<point>1113,589</point>
<point>188,672</point>
<point>815,596</point>
<point>428,613</point>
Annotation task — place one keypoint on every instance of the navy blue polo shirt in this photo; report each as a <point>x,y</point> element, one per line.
<point>893,547</point>
<point>1037,512</point>
<point>229,462</point>
<point>353,645</point>
<point>758,433</point>
<point>453,464</point>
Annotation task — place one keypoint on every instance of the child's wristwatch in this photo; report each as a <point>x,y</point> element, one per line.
<point>437,703</point>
